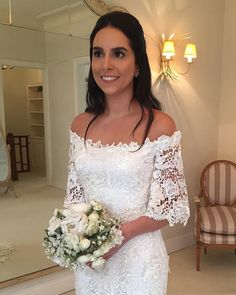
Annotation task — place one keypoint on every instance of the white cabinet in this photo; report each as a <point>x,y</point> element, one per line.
<point>36,123</point>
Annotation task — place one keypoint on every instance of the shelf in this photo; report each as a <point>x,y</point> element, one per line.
<point>37,137</point>
<point>35,98</point>
<point>36,111</point>
<point>37,124</point>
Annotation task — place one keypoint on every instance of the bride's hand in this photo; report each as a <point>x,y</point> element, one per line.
<point>125,232</point>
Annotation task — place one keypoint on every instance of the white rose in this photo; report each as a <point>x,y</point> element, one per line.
<point>66,212</point>
<point>72,241</point>
<point>83,259</point>
<point>93,216</point>
<point>93,258</point>
<point>80,208</point>
<point>54,223</point>
<point>84,244</point>
<point>64,228</point>
<point>92,228</point>
<point>76,223</point>
<point>99,252</point>
<point>81,224</point>
<point>99,263</point>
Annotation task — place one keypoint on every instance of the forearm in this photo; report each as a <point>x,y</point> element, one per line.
<point>141,225</point>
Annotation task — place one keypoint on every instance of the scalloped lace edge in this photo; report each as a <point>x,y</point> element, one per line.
<point>133,144</point>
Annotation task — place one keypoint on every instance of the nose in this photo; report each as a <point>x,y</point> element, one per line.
<point>107,64</point>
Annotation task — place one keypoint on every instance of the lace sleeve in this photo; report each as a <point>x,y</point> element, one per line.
<point>74,190</point>
<point>168,194</point>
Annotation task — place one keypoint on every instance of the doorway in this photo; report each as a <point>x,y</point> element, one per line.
<point>23,101</point>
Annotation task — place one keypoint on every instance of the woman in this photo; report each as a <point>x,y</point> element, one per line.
<point>125,153</point>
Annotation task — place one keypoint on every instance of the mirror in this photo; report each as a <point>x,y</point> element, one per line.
<point>43,57</point>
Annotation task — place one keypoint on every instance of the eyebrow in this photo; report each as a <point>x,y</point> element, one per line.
<point>113,49</point>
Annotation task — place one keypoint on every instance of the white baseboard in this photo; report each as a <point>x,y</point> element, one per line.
<point>53,284</point>
<point>180,242</point>
<point>59,184</point>
<point>63,281</point>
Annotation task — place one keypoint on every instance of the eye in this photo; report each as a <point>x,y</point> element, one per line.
<point>118,53</point>
<point>97,53</point>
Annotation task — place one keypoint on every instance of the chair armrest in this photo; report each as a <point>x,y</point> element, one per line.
<point>196,200</point>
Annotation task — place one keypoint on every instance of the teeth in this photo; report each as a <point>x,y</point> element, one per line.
<point>109,78</point>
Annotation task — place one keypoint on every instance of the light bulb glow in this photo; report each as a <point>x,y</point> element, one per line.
<point>168,49</point>
<point>190,52</point>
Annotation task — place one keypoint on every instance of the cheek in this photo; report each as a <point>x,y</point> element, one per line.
<point>131,66</point>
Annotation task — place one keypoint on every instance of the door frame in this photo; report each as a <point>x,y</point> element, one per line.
<point>48,144</point>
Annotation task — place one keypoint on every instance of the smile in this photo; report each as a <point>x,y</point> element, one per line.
<point>109,78</point>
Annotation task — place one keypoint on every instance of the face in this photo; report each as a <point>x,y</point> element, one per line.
<point>113,62</point>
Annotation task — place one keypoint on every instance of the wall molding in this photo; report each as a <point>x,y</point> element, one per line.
<point>180,242</point>
<point>52,284</point>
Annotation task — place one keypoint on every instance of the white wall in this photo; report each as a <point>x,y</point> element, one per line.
<point>193,101</point>
<point>227,131</point>
<point>21,44</point>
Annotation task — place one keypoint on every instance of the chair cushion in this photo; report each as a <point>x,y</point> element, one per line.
<point>218,220</point>
<point>208,238</point>
<point>220,183</point>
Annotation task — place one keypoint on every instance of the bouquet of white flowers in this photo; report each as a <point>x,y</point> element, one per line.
<point>81,233</point>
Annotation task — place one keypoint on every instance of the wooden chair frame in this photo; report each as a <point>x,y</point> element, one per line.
<point>207,202</point>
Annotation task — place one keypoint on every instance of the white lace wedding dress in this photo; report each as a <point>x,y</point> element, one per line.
<point>130,184</point>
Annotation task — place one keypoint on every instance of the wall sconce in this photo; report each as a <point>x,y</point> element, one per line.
<point>167,54</point>
<point>5,67</point>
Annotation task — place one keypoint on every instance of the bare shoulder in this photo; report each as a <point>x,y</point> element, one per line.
<point>162,124</point>
<point>80,123</point>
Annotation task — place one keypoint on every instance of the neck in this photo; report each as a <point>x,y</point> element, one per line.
<point>120,106</point>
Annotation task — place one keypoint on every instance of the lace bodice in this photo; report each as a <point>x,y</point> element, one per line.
<point>128,181</point>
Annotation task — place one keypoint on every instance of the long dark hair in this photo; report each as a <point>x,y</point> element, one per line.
<point>95,97</point>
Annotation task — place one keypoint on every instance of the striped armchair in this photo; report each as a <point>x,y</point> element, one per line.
<point>215,222</point>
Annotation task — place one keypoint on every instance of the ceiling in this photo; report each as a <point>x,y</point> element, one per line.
<point>44,14</point>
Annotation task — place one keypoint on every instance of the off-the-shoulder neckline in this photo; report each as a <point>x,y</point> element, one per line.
<point>134,144</point>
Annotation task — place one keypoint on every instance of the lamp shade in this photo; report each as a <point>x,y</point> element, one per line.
<point>190,52</point>
<point>168,49</point>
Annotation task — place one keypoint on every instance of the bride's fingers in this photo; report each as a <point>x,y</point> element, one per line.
<point>110,253</point>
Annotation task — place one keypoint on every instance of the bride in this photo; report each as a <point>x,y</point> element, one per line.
<point>125,153</point>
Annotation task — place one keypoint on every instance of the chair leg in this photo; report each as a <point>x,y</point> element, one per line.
<point>205,250</point>
<point>198,254</point>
